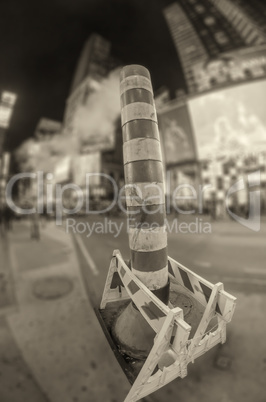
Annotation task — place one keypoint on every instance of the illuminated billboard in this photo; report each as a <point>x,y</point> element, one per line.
<point>230,68</point>
<point>176,134</point>
<point>62,170</point>
<point>83,164</point>
<point>230,121</point>
<point>8,100</point>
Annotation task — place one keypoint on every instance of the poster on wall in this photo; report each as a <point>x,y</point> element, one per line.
<point>176,134</point>
<point>231,121</point>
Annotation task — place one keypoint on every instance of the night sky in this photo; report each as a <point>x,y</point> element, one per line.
<point>40,43</point>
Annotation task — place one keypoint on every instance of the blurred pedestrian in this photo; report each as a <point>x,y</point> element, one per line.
<point>35,226</point>
<point>7,218</point>
<point>2,232</point>
<point>213,206</point>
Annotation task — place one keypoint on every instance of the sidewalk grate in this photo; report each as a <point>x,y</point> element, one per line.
<point>52,288</point>
<point>183,301</point>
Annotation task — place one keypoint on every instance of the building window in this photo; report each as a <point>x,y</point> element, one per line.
<point>209,21</point>
<point>199,9</point>
<point>190,49</point>
<point>221,38</point>
<point>219,183</point>
<point>203,32</point>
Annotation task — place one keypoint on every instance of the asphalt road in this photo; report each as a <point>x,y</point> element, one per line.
<point>227,252</point>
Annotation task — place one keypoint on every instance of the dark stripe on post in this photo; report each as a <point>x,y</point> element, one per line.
<point>186,280</point>
<point>136,95</point>
<point>163,293</point>
<point>148,261</point>
<point>143,172</point>
<point>140,129</point>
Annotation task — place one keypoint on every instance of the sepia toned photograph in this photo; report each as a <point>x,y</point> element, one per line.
<point>133,201</point>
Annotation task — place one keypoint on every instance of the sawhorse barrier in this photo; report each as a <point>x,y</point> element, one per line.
<point>173,348</point>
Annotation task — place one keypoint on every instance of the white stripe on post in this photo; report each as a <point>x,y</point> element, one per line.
<point>142,149</point>
<point>152,193</point>
<point>138,111</point>
<point>135,81</point>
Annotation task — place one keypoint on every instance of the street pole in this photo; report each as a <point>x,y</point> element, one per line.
<point>145,199</point>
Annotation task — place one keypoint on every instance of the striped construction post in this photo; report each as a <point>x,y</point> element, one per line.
<point>143,170</point>
<point>145,201</point>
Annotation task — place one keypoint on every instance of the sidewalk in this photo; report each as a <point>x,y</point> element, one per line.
<point>55,327</point>
<point>7,296</point>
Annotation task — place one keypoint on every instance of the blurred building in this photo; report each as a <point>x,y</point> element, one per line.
<point>98,154</point>
<point>112,160</point>
<point>247,18</point>
<point>95,61</point>
<point>179,148</point>
<point>207,34</point>
<point>218,129</point>
<point>161,97</point>
<point>104,166</point>
<point>94,64</point>
<point>46,129</point>
<point>7,103</point>
<point>4,175</point>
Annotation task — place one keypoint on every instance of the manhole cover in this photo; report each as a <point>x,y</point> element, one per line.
<point>182,301</point>
<point>223,362</point>
<point>52,288</point>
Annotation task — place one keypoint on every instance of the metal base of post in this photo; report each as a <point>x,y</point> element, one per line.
<point>130,365</point>
<point>131,359</point>
<point>132,333</point>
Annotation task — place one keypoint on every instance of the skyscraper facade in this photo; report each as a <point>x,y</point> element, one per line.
<point>94,60</point>
<point>94,64</point>
<point>221,45</point>
<point>219,42</point>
